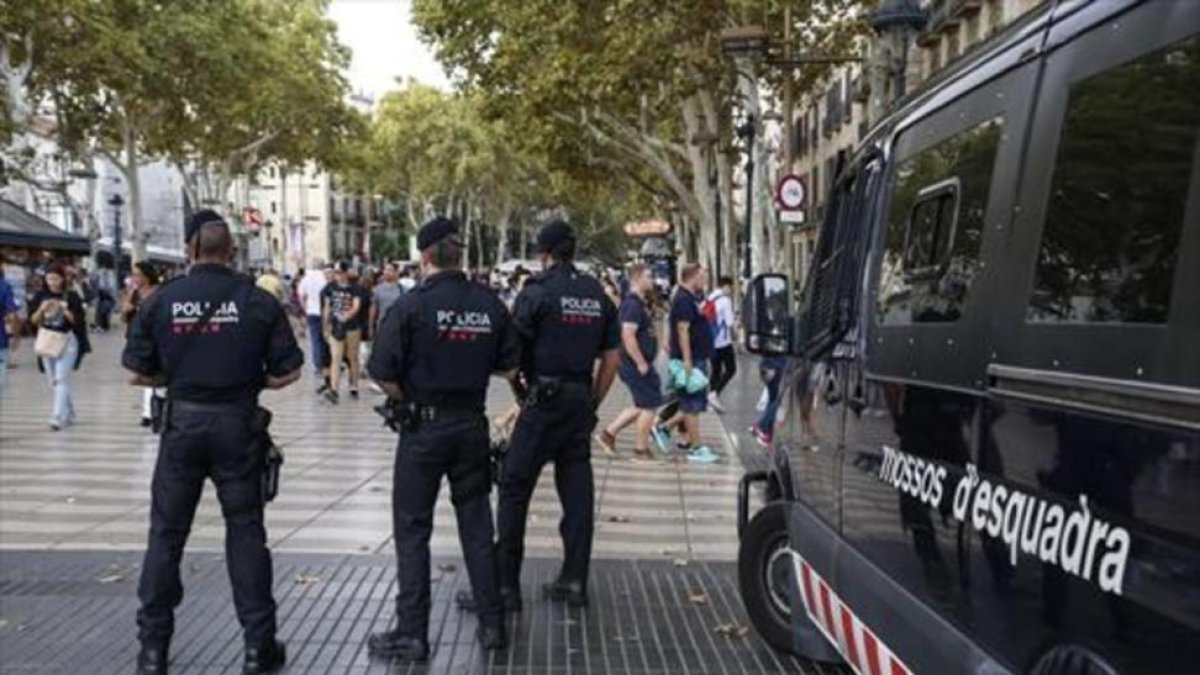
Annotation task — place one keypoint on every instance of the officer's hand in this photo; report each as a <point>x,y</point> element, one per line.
<point>644,369</point>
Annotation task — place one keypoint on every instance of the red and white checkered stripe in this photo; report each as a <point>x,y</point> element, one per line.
<point>862,649</point>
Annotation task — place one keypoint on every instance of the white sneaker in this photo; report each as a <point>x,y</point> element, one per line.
<point>715,402</point>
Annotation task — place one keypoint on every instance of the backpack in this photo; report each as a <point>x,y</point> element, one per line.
<point>708,309</point>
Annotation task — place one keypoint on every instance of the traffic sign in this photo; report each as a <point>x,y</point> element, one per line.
<point>791,217</point>
<point>791,193</point>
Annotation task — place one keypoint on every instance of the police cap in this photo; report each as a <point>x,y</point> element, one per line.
<point>198,220</point>
<point>554,235</point>
<point>434,231</point>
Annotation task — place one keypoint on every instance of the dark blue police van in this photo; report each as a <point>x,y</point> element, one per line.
<point>991,461</point>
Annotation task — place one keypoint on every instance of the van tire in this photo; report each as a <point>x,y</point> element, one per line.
<point>765,537</point>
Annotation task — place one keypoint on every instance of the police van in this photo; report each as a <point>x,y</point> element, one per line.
<point>991,461</point>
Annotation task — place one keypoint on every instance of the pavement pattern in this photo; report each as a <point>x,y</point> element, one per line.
<point>73,521</point>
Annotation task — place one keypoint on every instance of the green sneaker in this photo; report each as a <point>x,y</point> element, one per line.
<point>703,455</point>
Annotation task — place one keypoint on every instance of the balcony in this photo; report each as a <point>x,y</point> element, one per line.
<point>945,15</point>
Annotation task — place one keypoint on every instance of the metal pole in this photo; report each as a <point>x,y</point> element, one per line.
<point>117,255</point>
<point>747,229</point>
<point>717,217</point>
<point>789,135</point>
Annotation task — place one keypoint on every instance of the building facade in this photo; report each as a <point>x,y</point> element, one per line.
<point>301,217</point>
<point>832,118</point>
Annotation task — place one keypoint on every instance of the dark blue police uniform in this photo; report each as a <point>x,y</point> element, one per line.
<point>215,369</point>
<point>564,321</point>
<point>440,344</point>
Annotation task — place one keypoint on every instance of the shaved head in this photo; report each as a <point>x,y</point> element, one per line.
<point>213,242</point>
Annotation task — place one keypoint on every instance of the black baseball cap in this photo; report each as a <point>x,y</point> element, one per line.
<point>434,231</point>
<point>554,234</point>
<point>198,220</point>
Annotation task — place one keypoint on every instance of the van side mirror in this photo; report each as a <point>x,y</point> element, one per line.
<point>766,315</point>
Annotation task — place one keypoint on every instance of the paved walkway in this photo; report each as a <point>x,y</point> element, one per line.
<point>73,517</point>
<point>87,487</point>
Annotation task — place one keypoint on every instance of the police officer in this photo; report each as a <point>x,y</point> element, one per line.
<point>215,341</point>
<point>565,322</point>
<point>434,353</point>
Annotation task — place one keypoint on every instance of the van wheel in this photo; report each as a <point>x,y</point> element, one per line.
<point>766,576</point>
<point>1072,659</point>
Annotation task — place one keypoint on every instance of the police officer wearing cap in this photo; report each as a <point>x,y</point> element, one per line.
<point>566,323</point>
<point>215,341</point>
<point>434,353</point>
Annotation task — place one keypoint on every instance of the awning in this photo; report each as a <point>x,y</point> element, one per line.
<point>23,229</point>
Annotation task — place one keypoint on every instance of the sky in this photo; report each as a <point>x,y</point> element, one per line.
<point>384,44</point>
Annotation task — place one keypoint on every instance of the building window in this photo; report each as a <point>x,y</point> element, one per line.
<point>273,205</point>
<point>951,46</point>
<point>971,30</point>
<point>1116,206</point>
<point>935,226</point>
<point>935,59</point>
<point>995,16</point>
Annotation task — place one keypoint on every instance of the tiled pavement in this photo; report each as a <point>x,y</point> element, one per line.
<point>73,516</point>
<point>87,487</point>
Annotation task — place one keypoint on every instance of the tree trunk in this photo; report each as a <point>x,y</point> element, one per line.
<point>133,206</point>
<point>289,258</point>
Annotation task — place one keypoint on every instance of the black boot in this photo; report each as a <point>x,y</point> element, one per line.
<point>152,660</point>
<point>571,592</point>
<point>266,659</point>
<point>394,645</point>
<point>510,599</point>
<point>492,637</point>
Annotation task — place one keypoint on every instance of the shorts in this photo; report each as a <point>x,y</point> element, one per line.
<point>694,403</point>
<point>645,389</point>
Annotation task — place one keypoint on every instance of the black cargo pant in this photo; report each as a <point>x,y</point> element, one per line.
<point>454,445</point>
<point>207,441</point>
<point>558,431</point>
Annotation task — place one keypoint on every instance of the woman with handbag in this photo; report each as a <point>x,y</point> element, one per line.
<point>61,340</point>
<point>144,280</point>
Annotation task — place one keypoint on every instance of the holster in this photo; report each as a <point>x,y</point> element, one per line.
<point>543,390</point>
<point>160,412</point>
<point>496,456</point>
<point>271,455</point>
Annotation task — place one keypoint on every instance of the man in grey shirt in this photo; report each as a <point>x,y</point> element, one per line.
<point>387,291</point>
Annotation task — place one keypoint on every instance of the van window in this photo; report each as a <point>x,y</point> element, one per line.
<point>1112,231</point>
<point>935,226</point>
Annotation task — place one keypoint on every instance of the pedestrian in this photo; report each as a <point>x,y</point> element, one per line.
<point>8,323</point>
<point>771,370</point>
<point>724,361</point>
<point>344,316</point>
<point>62,340</point>
<point>566,324</point>
<point>311,286</point>
<point>385,294</point>
<point>270,282</point>
<point>215,341</point>
<point>639,349</point>
<point>435,351</point>
<point>691,347</point>
<point>407,283</point>
<point>145,281</point>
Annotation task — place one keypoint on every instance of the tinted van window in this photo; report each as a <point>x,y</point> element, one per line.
<point>935,225</point>
<point>1111,237</point>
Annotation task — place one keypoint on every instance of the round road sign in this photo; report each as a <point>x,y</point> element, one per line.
<point>791,193</point>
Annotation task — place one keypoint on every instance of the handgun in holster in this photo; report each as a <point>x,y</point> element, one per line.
<point>543,390</point>
<point>272,457</point>
<point>160,412</point>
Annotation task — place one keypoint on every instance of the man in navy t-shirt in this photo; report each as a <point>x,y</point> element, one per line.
<point>639,348</point>
<point>691,343</point>
<point>8,313</point>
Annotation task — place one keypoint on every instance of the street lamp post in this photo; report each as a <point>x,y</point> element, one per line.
<point>747,132</point>
<point>116,202</point>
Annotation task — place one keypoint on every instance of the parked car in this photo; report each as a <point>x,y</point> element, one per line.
<point>992,461</point>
